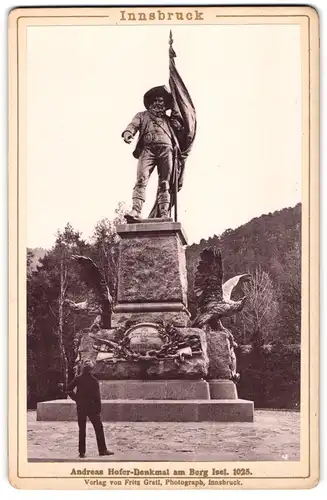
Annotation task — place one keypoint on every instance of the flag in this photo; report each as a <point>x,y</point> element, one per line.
<point>184,112</point>
<point>183,108</point>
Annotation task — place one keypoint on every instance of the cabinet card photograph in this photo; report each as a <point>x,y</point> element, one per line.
<point>164,247</point>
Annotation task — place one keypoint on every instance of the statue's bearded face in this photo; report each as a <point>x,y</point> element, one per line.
<point>158,106</point>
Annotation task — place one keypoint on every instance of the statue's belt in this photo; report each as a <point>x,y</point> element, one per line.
<point>155,138</point>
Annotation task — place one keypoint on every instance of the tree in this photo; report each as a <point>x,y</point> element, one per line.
<point>261,307</point>
<point>67,243</point>
<point>29,260</point>
<point>40,337</point>
<point>104,247</point>
<point>31,366</point>
<point>290,295</point>
<point>51,324</point>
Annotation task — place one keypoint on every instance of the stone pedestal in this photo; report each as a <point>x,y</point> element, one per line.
<point>154,410</point>
<point>220,355</point>
<point>222,389</point>
<point>152,279</point>
<point>162,377</point>
<point>144,337</point>
<point>154,389</point>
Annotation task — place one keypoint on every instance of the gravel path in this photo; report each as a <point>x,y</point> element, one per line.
<point>274,435</point>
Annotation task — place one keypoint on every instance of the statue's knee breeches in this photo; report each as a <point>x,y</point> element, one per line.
<point>165,163</point>
<point>144,169</point>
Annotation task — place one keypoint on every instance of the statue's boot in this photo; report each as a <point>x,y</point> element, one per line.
<point>135,213</point>
<point>164,210</point>
<point>164,200</point>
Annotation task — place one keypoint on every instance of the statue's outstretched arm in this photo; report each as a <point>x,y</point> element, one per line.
<point>133,127</point>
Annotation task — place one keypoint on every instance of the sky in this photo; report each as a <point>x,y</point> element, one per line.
<point>85,83</point>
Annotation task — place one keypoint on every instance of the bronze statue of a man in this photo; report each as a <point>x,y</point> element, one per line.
<point>164,141</point>
<point>157,146</point>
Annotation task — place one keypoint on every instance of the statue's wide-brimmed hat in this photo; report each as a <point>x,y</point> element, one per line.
<point>155,92</point>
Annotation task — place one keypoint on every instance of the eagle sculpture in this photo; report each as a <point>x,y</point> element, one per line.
<point>212,295</point>
<point>94,279</point>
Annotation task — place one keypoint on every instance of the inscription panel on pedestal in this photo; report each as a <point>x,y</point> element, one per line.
<point>144,337</point>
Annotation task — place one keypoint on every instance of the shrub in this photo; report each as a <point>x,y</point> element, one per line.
<point>270,376</point>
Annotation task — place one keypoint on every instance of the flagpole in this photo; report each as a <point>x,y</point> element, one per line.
<point>172,54</point>
<point>176,187</point>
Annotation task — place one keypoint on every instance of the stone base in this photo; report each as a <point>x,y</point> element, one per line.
<point>179,318</point>
<point>220,355</point>
<point>137,410</point>
<point>191,368</point>
<point>222,389</point>
<point>154,389</point>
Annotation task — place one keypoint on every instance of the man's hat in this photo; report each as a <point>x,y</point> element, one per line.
<point>155,92</point>
<point>88,366</point>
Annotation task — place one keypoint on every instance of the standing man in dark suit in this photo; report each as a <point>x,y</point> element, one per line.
<point>88,401</point>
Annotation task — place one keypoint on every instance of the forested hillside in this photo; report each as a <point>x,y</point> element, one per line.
<point>268,248</point>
